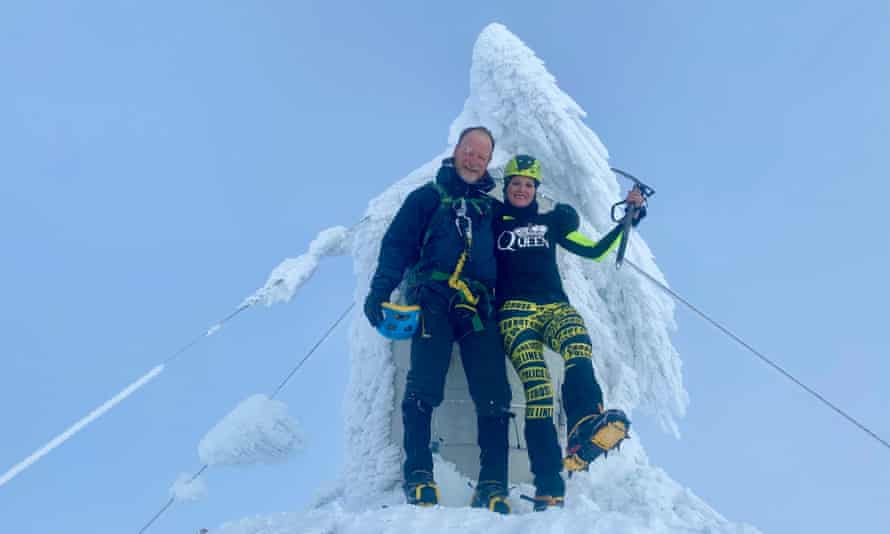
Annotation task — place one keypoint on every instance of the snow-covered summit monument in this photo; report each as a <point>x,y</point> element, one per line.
<point>512,94</point>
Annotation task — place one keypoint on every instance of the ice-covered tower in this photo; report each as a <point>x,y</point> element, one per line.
<point>513,94</point>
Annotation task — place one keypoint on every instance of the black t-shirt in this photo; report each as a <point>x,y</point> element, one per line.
<point>526,251</point>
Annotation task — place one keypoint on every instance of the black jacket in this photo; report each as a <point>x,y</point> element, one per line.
<point>403,244</point>
<point>526,251</point>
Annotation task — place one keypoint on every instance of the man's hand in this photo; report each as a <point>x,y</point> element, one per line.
<point>372,307</point>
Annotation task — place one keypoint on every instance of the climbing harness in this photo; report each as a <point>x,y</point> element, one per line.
<point>465,230</point>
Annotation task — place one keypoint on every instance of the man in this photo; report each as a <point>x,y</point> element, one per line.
<point>442,236</point>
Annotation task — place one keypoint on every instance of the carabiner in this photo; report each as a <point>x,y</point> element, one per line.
<point>462,221</point>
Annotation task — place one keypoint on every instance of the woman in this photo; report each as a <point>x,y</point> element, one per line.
<point>533,311</point>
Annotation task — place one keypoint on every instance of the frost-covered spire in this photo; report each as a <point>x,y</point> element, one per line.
<point>513,94</point>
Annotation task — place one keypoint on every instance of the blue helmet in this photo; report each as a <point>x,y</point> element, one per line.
<point>399,322</point>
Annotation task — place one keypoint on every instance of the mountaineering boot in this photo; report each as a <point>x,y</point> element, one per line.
<point>492,495</point>
<point>593,436</point>
<point>549,492</point>
<point>542,503</point>
<point>421,489</point>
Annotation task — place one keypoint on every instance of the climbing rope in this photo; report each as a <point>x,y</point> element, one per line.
<point>760,355</point>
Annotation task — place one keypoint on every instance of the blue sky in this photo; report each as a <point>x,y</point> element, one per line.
<point>159,160</point>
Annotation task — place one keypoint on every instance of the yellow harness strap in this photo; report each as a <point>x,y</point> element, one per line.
<point>455,282</point>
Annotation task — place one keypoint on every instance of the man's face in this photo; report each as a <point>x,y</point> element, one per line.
<point>472,155</point>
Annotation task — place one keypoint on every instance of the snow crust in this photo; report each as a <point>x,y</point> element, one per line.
<point>630,320</point>
<point>622,496</point>
<point>259,430</point>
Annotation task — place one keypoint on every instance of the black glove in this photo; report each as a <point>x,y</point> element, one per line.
<point>372,307</point>
<point>567,216</point>
<point>641,214</point>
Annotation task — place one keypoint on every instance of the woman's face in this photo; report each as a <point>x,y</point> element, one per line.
<point>520,191</point>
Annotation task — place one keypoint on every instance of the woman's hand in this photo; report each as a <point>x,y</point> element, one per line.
<point>635,197</point>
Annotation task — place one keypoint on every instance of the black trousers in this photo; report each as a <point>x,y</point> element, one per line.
<point>484,363</point>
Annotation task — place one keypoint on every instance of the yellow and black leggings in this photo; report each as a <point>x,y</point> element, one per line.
<point>526,327</point>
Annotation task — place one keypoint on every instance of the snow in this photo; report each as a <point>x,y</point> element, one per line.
<point>188,489</point>
<point>619,496</point>
<point>630,320</point>
<point>258,430</point>
<point>292,273</point>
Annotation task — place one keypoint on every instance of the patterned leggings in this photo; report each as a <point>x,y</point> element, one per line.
<point>526,327</point>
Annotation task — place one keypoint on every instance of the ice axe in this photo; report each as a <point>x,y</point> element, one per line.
<point>630,212</point>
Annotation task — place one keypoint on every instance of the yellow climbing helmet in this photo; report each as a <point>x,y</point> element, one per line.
<point>523,165</point>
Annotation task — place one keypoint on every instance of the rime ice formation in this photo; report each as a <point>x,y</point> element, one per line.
<point>259,430</point>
